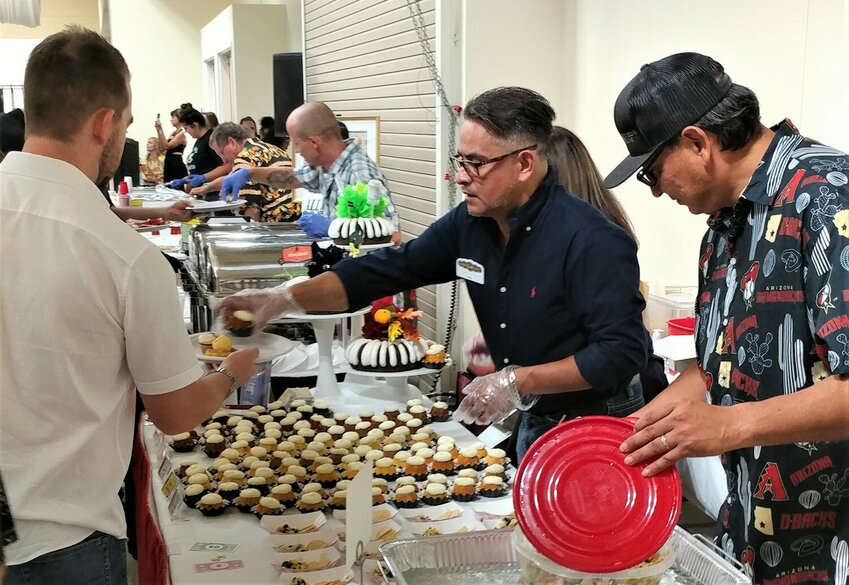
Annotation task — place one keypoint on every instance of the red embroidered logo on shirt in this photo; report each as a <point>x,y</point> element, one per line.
<point>533,292</point>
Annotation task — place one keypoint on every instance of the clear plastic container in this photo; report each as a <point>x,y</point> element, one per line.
<point>539,570</point>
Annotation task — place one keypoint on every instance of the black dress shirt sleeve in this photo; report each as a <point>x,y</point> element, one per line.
<point>610,314</point>
<point>429,259</point>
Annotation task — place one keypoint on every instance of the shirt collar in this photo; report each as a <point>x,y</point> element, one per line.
<point>728,219</point>
<point>351,146</point>
<point>524,217</point>
<point>54,169</point>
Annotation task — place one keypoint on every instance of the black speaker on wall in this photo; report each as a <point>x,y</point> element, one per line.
<point>288,87</point>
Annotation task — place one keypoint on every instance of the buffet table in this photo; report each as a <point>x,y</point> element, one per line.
<point>198,546</point>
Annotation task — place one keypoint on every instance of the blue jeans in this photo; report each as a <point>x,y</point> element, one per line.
<point>100,559</point>
<point>531,426</point>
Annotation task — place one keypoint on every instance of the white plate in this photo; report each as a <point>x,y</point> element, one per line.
<point>212,206</point>
<point>290,361</point>
<point>270,346</point>
<point>152,228</point>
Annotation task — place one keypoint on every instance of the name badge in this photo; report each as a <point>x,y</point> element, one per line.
<point>470,270</point>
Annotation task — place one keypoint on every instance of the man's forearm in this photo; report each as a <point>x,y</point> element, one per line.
<point>322,293</point>
<point>817,413</point>
<point>278,177</point>
<point>551,378</point>
<point>140,213</point>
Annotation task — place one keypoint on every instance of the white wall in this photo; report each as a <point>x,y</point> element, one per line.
<point>792,53</point>
<point>161,41</point>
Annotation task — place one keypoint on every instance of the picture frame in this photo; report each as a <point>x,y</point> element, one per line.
<point>366,129</point>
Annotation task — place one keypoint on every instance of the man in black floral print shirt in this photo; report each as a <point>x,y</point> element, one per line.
<point>770,392</point>
<point>7,528</point>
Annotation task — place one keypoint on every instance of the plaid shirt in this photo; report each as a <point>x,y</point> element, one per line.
<point>351,167</point>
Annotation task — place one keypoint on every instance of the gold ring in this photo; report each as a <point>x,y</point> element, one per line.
<point>664,441</point>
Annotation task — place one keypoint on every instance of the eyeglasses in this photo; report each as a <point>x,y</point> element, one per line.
<point>472,167</point>
<point>646,175</point>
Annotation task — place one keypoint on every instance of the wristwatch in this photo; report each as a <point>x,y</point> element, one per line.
<point>230,376</point>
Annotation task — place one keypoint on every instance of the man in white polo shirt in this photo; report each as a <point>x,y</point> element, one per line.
<point>88,313</point>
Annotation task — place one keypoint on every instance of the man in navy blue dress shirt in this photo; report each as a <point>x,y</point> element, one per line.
<point>554,283</point>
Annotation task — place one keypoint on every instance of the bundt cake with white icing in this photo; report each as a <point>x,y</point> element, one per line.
<point>360,209</point>
<point>375,230</point>
<point>390,341</point>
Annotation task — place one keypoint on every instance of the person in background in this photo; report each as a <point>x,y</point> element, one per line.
<point>566,335</point>
<point>152,168</point>
<point>173,147</point>
<point>203,163</point>
<point>108,322</point>
<point>249,126</point>
<point>12,130</point>
<point>211,119</point>
<point>343,130</point>
<point>769,393</point>
<point>7,524</point>
<point>331,164</point>
<point>266,130</point>
<point>264,203</point>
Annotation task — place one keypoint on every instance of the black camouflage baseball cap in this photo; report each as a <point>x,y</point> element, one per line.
<point>665,97</point>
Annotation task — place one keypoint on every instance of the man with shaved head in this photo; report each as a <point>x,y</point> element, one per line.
<point>331,163</point>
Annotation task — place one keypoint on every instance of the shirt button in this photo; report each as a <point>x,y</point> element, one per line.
<point>528,228</point>
<point>503,289</point>
<point>503,325</point>
<point>506,360</point>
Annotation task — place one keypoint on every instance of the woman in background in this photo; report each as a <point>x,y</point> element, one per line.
<point>249,125</point>
<point>211,119</point>
<point>173,147</point>
<point>203,162</point>
<point>154,162</point>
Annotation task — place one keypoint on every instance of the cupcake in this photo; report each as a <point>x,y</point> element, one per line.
<point>426,454</point>
<point>212,505</point>
<point>299,442</point>
<point>326,423</point>
<point>481,449</point>
<point>268,444</point>
<point>428,430</point>
<point>492,486</point>
<point>406,496</point>
<point>258,483</point>
<point>326,475</point>
<point>240,447</point>
<point>385,468</point>
<point>439,412</point>
<point>287,425</point>
<point>223,469</point>
<point>321,407</point>
<point>205,340</point>
<point>276,459</point>
<point>336,454</point>
<point>289,480</point>
<point>183,442</point>
<point>214,446</point>
<point>337,432</point>
<point>275,434</point>
<point>443,462</point>
<point>413,426</point>
<point>184,465</point>
<point>421,440</point>
<point>310,502</point>
<point>235,476</point>
<point>240,323</point>
<point>340,417</point>
<point>231,454</point>
<point>414,402</point>
<point>201,479</point>
<point>377,496</point>
<point>495,470</point>
<point>266,473</point>
<point>193,469</point>
<point>400,458</point>
<point>419,412</point>
<point>351,469</point>
<point>373,455</point>
<point>193,494</point>
<point>404,418</point>
<point>381,484</point>
<point>361,450</point>
<point>210,432</point>
<point>306,410</point>
<point>257,465</point>
<point>362,428</point>
<point>349,458</point>
<point>220,416</point>
<point>434,357</point>
<point>416,467</point>
<point>437,478</point>
<point>449,448</point>
<point>435,494</point>
<point>315,422</point>
<point>351,423</point>
<point>275,411</point>
<point>287,447</point>
<point>377,419</point>
<point>416,446</point>
<point>286,463</point>
<point>267,506</point>
<point>464,489</point>
<point>299,472</point>
<point>343,484</point>
<point>339,500</point>
<point>324,437</point>
<point>468,457</point>
<point>248,498</point>
<point>314,487</point>
<point>283,493</point>
<point>229,490</point>
<point>495,457</point>
<point>391,413</point>
<point>398,437</point>
<point>317,446</point>
<point>307,457</point>
<point>387,427</point>
<point>264,419</point>
<point>319,461</point>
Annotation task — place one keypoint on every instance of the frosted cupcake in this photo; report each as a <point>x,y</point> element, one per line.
<point>212,505</point>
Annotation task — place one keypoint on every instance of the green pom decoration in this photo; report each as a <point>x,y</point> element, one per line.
<point>353,203</point>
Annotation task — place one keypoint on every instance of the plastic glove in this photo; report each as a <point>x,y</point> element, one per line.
<point>314,224</point>
<point>491,399</point>
<point>266,304</point>
<point>195,180</point>
<point>178,183</point>
<point>233,183</point>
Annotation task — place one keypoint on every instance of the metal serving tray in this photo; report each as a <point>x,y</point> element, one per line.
<point>488,557</point>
